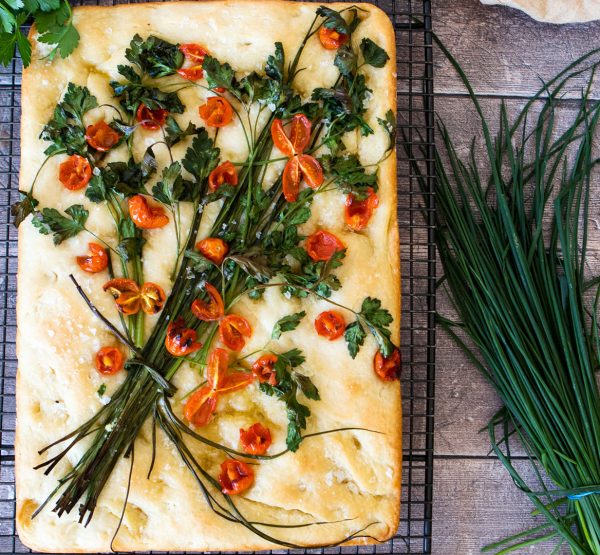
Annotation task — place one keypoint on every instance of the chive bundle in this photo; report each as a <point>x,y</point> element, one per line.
<point>519,288</point>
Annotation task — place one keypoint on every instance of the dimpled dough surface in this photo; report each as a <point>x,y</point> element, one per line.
<point>350,475</point>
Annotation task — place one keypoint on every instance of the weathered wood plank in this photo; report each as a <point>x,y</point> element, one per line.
<point>504,51</point>
<point>477,504</point>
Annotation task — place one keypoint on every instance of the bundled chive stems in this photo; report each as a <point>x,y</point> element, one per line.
<point>527,311</point>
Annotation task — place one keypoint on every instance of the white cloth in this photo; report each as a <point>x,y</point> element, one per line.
<point>555,11</point>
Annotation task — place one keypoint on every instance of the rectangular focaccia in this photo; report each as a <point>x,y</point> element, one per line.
<point>349,480</point>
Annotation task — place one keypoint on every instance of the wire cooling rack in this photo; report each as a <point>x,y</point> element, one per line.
<point>412,22</point>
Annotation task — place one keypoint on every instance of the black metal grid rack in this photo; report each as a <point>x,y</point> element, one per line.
<point>412,22</point>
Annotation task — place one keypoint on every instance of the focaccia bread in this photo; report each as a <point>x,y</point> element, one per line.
<point>349,480</point>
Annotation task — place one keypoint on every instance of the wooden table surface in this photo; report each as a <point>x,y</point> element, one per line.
<point>505,53</point>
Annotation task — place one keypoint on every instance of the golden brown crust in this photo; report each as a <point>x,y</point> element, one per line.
<point>344,476</point>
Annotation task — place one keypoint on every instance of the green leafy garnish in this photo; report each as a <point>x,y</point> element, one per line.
<point>289,380</point>
<point>101,390</point>
<point>174,133</point>
<point>349,175</point>
<point>287,323</point>
<point>373,54</point>
<point>172,187</point>
<point>53,21</point>
<point>66,129</point>
<point>335,20</point>
<point>51,221</point>
<point>371,318</point>
<point>389,126</point>
<point>154,56</point>
<point>21,209</point>
<point>201,157</point>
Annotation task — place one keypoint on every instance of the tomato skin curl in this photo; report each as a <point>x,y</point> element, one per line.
<point>95,261</point>
<point>235,477</point>
<point>75,172</point>
<point>322,245</point>
<point>144,216</point>
<point>263,369</point>
<point>330,324</point>
<point>256,440</point>
<point>217,112</point>
<point>101,136</point>
<point>388,368</point>
<point>214,249</point>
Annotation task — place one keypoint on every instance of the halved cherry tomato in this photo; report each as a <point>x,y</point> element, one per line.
<point>153,297</point>
<point>331,39</point>
<point>101,136</point>
<point>194,53</point>
<point>256,439</point>
<point>181,341</point>
<point>151,119</point>
<point>109,360</point>
<point>302,166</point>
<point>359,212</point>
<point>217,112</point>
<point>330,324</point>
<point>211,310</point>
<point>263,369</point>
<point>216,367</point>
<point>200,406</point>
<point>96,259</point>
<point>322,245</point>
<point>299,135</point>
<point>130,298</point>
<point>214,249</point>
<point>75,172</point>
<point>145,216</point>
<point>235,477</point>
<point>126,293</point>
<point>232,330</point>
<point>388,368</point>
<point>224,173</point>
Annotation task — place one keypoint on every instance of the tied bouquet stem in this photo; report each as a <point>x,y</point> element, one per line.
<point>513,240</point>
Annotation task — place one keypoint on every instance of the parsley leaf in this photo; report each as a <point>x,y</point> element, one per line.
<point>389,126</point>
<point>373,54</point>
<point>334,20</point>
<point>66,130</point>
<point>154,56</point>
<point>101,390</point>
<point>201,157</point>
<point>131,240</point>
<point>345,60</point>
<point>174,133</point>
<point>21,209</point>
<point>172,187</point>
<point>275,64</point>
<point>50,220</point>
<point>287,323</point>
<point>349,175</point>
<point>289,380</point>
<point>376,320</point>
<point>219,75</point>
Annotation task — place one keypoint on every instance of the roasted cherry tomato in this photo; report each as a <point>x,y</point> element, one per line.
<point>101,136</point>
<point>109,360</point>
<point>96,259</point>
<point>145,216</point>
<point>322,245</point>
<point>214,249</point>
<point>217,112</point>
<point>200,406</point>
<point>75,172</point>
<point>225,173</point>
<point>388,368</point>
<point>153,297</point>
<point>263,369</point>
<point>235,477</point>
<point>126,293</point>
<point>359,212</point>
<point>181,341</point>
<point>300,127</point>
<point>256,439</point>
<point>151,119</point>
<point>194,54</point>
<point>330,324</point>
<point>233,330</point>
<point>211,310</point>
<point>300,167</point>
<point>332,39</point>
<point>216,373</point>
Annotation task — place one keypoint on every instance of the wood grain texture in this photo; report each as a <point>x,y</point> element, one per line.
<point>504,53</point>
